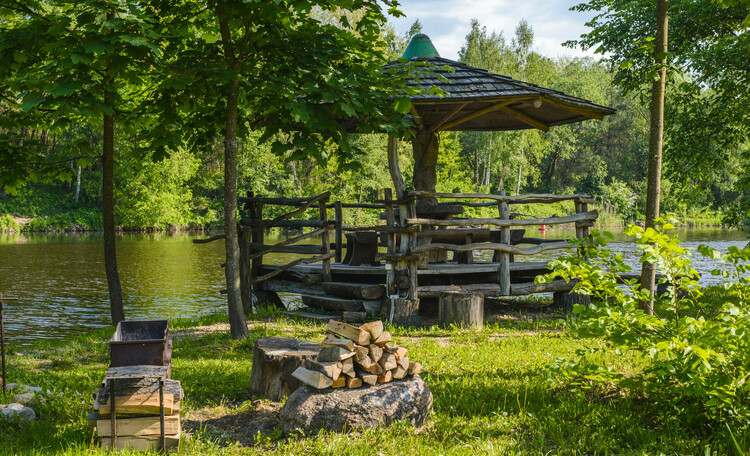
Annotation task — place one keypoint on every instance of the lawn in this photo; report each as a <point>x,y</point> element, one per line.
<point>492,395</point>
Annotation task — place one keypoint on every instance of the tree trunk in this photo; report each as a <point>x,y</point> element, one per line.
<point>425,150</point>
<point>658,89</point>
<point>237,323</point>
<point>78,184</point>
<point>108,214</point>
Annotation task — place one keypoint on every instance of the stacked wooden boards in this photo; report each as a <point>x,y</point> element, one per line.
<point>142,394</point>
<point>352,357</point>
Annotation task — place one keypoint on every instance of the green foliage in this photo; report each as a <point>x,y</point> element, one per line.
<point>693,354</point>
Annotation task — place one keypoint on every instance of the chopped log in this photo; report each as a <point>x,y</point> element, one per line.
<point>354,290</point>
<point>141,404</point>
<point>361,352</point>
<point>383,339</point>
<point>358,335</point>
<point>388,361</point>
<point>400,352</point>
<point>373,368</point>
<point>414,368</point>
<point>354,382</point>
<point>339,383</point>
<point>146,443</point>
<point>385,377</point>
<point>334,354</point>
<point>329,369</point>
<point>333,341</point>
<point>375,353</point>
<point>464,308</point>
<point>375,328</point>
<point>365,362</point>
<point>404,362</point>
<point>312,378</point>
<point>147,425</point>
<point>330,303</point>
<point>354,317</point>
<point>367,377</point>
<point>274,361</point>
<point>347,367</point>
<point>399,373</point>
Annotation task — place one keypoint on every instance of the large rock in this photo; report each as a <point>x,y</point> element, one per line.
<point>343,409</point>
<point>17,413</point>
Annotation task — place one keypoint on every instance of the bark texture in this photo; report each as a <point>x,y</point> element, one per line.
<point>237,323</point>
<point>656,141</point>
<point>108,213</point>
<point>425,152</point>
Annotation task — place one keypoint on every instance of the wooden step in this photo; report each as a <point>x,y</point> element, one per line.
<point>313,316</point>
<point>354,290</point>
<point>332,303</point>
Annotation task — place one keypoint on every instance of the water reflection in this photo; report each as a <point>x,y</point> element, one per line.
<point>62,289</point>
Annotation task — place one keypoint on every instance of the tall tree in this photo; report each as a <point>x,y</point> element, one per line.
<point>80,60</point>
<point>283,70</point>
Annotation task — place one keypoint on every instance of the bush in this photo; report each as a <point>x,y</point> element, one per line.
<point>695,352</point>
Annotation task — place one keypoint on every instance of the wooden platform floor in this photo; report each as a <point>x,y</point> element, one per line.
<point>449,268</point>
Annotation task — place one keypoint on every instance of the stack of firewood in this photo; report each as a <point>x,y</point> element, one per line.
<point>354,356</point>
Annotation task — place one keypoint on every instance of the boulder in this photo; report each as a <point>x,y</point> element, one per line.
<point>16,413</point>
<point>342,409</point>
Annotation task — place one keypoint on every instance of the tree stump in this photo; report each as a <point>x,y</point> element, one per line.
<point>405,311</point>
<point>464,308</point>
<point>564,300</point>
<point>274,360</point>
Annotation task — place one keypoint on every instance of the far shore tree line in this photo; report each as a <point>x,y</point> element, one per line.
<point>159,112</point>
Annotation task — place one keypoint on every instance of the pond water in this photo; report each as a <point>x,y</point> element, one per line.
<point>62,289</point>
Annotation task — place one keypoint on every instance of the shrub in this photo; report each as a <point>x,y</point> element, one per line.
<point>695,353</point>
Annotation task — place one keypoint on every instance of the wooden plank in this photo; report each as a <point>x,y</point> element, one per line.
<point>359,336</point>
<point>590,215</point>
<point>504,262</point>
<point>525,118</point>
<point>505,248</point>
<point>436,125</point>
<point>294,263</point>
<point>146,425</point>
<point>135,386</point>
<point>475,114</point>
<point>288,286</point>
<point>354,290</point>
<point>289,241</point>
<point>331,303</point>
<point>354,316</point>
<point>323,197</point>
<point>520,289</point>
<point>142,443</point>
<point>310,316</point>
<point>312,378</point>
<point>140,371</point>
<point>354,382</point>
<point>140,404</point>
<point>303,249</point>
<point>295,224</point>
<point>510,199</point>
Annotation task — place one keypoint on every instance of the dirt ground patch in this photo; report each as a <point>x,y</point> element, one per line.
<point>243,425</point>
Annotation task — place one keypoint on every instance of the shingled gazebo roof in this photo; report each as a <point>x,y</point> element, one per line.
<point>477,100</point>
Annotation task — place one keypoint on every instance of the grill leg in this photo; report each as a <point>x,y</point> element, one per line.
<point>161,414</point>
<point>112,416</point>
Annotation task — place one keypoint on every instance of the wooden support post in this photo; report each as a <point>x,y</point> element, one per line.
<point>579,209</point>
<point>246,279</point>
<point>401,309</point>
<point>326,241</point>
<point>463,308</point>
<point>255,211</point>
<point>390,281</point>
<point>339,214</point>
<point>504,266</point>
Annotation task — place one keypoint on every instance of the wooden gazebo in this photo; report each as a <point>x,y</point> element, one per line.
<point>477,100</point>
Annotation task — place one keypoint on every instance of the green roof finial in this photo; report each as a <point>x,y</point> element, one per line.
<point>420,47</point>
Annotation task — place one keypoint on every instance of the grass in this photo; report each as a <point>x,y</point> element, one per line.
<point>490,387</point>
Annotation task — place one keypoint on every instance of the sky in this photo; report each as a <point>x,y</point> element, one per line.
<point>447,22</point>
